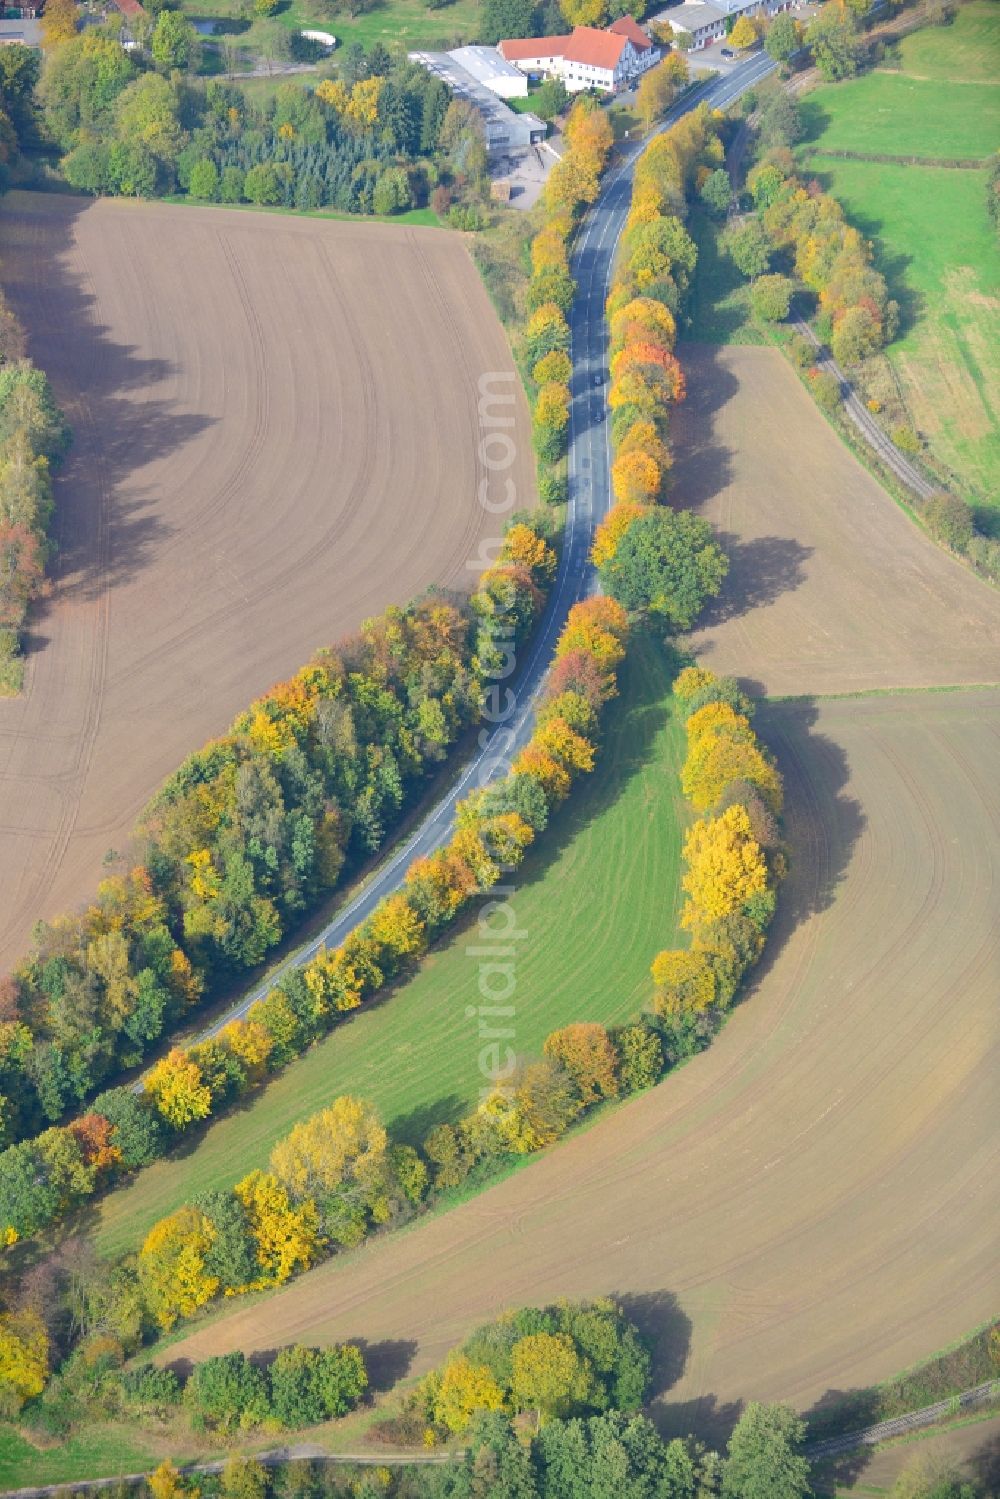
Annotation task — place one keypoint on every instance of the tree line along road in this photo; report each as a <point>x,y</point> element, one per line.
<point>589,501</point>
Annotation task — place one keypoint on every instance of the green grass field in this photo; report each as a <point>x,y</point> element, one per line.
<point>935,244</point>
<point>933,240</point>
<point>964,52</point>
<point>103,1452</point>
<point>718,305</point>
<point>899,115</point>
<point>402,25</point>
<point>596,901</point>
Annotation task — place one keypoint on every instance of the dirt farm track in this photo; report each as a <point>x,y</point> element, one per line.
<point>811,1204</point>
<point>276,435</point>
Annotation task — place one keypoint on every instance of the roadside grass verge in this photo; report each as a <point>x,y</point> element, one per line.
<point>972,1361</point>
<point>595,901</point>
<point>104,1452</point>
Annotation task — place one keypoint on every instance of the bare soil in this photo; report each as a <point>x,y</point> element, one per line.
<point>277,435</point>
<point>809,1205</point>
<point>832,588</point>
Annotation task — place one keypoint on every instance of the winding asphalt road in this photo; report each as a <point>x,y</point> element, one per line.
<point>589,500</point>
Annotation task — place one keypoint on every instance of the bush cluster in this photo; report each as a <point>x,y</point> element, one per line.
<point>828,255</point>
<point>570,1359</point>
<point>302,1386</point>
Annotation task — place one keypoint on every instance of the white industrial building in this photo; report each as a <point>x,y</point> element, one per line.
<point>505,129</point>
<point>492,71</point>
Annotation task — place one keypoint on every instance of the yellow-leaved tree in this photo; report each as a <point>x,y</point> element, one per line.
<point>178,1090</point>
<point>461,1391</point>
<point>685,983</point>
<point>613,527</point>
<point>722,748</point>
<point>743,34</point>
<point>286,1237</point>
<point>548,1376</point>
<point>343,1144</point>
<point>171,1265</point>
<point>725,867</point>
<point>24,1359</point>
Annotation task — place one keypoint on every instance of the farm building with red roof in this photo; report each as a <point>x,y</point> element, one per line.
<point>587,57</point>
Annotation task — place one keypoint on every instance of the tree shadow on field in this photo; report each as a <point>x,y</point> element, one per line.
<point>666,1330</point>
<point>702,464</point>
<point>822,821</point>
<point>836,1413</point>
<point>105,526</point>
<point>984,1465</point>
<point>413,1127</point>
<point>707,1418</point>
<point>760,571</point>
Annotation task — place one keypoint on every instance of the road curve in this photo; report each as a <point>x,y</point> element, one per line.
<point>589,500</point>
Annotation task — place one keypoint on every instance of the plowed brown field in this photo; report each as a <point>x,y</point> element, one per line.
<point>832,588</point>
<point>276,435</point>
<point>811,1204</point>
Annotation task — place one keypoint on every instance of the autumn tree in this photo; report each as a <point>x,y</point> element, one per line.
<point>536,1110</point>
<point>243,1478</point>
<point>177,1089</point>
<point>24,1359</point>
<point>172,1270</point>
<point>725,868</point>
<point>685,983</point>
<point>340,1149</point>
<point>461,1391</point>
<point>722,749</point>
<point>58,22</point>
<point>286,1237</point>
<point>547,331</point>
<point>165,1482</point>
<point>548,1375</point>
<point>586,1052</point>
<point>610,531</point>
<point>636,477</point>
<point>743,34</point>
<point>658,89</point>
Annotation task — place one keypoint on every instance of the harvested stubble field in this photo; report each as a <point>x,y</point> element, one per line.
<point>809,1205</point>
<point>276,435</point>
<point>832,588</point>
